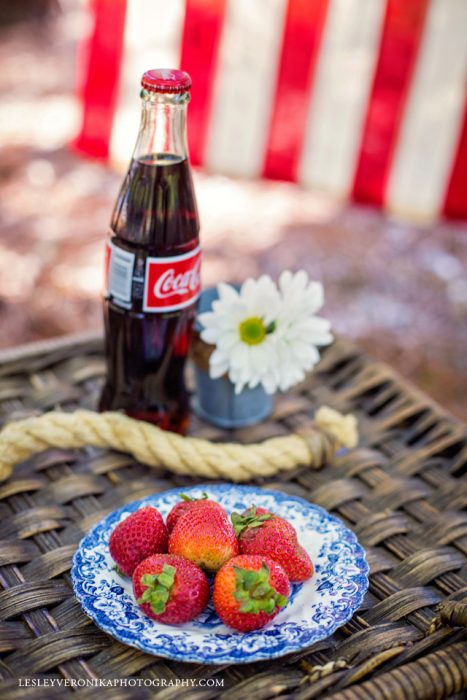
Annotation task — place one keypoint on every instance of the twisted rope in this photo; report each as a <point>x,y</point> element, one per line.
<point>182,455</point>
<point>450,612</point>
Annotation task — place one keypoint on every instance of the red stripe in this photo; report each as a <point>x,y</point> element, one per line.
<point>200,46</point>
<point>101,58</point>
<point>304,26</point>
<point>455,203</point>
<point>402,31</point>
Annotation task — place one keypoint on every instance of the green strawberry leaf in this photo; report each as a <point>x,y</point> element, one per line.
<point>250,579</point>
<point>281,601</point>
<point>166,578</point>
<point>169,570</point>
<point>157,606</point>
<point>146,597</point>
<point>188,499</point>
<point>158,588</point>
<point>261,590</point>
<point>161,592</point>
<point>263,573</point>
<point>254,592</point>
<point>249,519</point>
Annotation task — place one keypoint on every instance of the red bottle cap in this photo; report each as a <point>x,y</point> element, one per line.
<point>166,80</point>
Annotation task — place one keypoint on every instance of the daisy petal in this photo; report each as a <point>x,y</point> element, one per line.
<point>210,335</point>
<point>218,364</point>
<point>226,292</point>
<point>208,318</point>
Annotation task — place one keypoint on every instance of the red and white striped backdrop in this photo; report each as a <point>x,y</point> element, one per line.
<point>362,98</point>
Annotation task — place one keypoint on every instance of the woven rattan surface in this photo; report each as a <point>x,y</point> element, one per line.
<point>401,491</point>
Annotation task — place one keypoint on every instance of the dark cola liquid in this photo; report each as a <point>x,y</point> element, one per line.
<point>155,215</point>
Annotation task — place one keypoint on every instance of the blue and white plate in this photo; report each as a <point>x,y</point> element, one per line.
<point>316,608</point>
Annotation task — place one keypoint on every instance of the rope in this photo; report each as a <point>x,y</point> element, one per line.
<point>181,455</point>
<point>450,612</point>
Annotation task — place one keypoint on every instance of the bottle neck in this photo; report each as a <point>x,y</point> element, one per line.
<point>162,131</point>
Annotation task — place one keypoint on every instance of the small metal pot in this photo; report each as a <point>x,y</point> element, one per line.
<point>215,400</point>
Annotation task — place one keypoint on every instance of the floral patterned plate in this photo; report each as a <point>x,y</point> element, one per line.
<point>316,608</point>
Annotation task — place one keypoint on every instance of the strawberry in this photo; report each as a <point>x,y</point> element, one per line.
<point>142,533</point>
<point>205,536</point>
<point>170,589</point>
<point>249,591</point>
<point>261,532</point>
<point>187,504</point>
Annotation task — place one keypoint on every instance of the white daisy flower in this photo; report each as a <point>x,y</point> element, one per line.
<point>266,334</point>
<point>241,326</point>
<point>298,331</point>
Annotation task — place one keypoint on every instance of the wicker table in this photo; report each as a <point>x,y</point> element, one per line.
<point>401,492</point>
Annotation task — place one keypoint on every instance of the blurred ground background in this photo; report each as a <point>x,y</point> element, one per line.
<point>398,290</point>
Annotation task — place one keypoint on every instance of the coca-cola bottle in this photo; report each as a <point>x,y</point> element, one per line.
<point>153,273</point>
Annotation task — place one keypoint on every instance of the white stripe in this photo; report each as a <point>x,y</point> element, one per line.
<point>338,103</point>
<point>433,115</point>
<point>152,39</point>
<point>244,86</point>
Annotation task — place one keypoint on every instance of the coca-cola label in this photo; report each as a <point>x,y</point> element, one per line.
<point>120,275</point>
<point>172,283</point>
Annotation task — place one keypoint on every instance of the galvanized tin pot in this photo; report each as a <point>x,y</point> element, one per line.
<point>215,400</point>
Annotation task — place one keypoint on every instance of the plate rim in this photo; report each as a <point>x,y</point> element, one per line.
<point>259,655</point>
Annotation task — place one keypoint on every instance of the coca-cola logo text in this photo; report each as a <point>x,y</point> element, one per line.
<point>172,283</point>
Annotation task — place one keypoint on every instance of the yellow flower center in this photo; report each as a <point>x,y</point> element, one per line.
<point>252,330</point>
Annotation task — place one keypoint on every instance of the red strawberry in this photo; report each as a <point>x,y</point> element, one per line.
<point>205,536</point>
<point>249,591</point>
<point>135,538</point>
<point>170,589</point>
<point>187,504</point>
<point>261,532</point>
